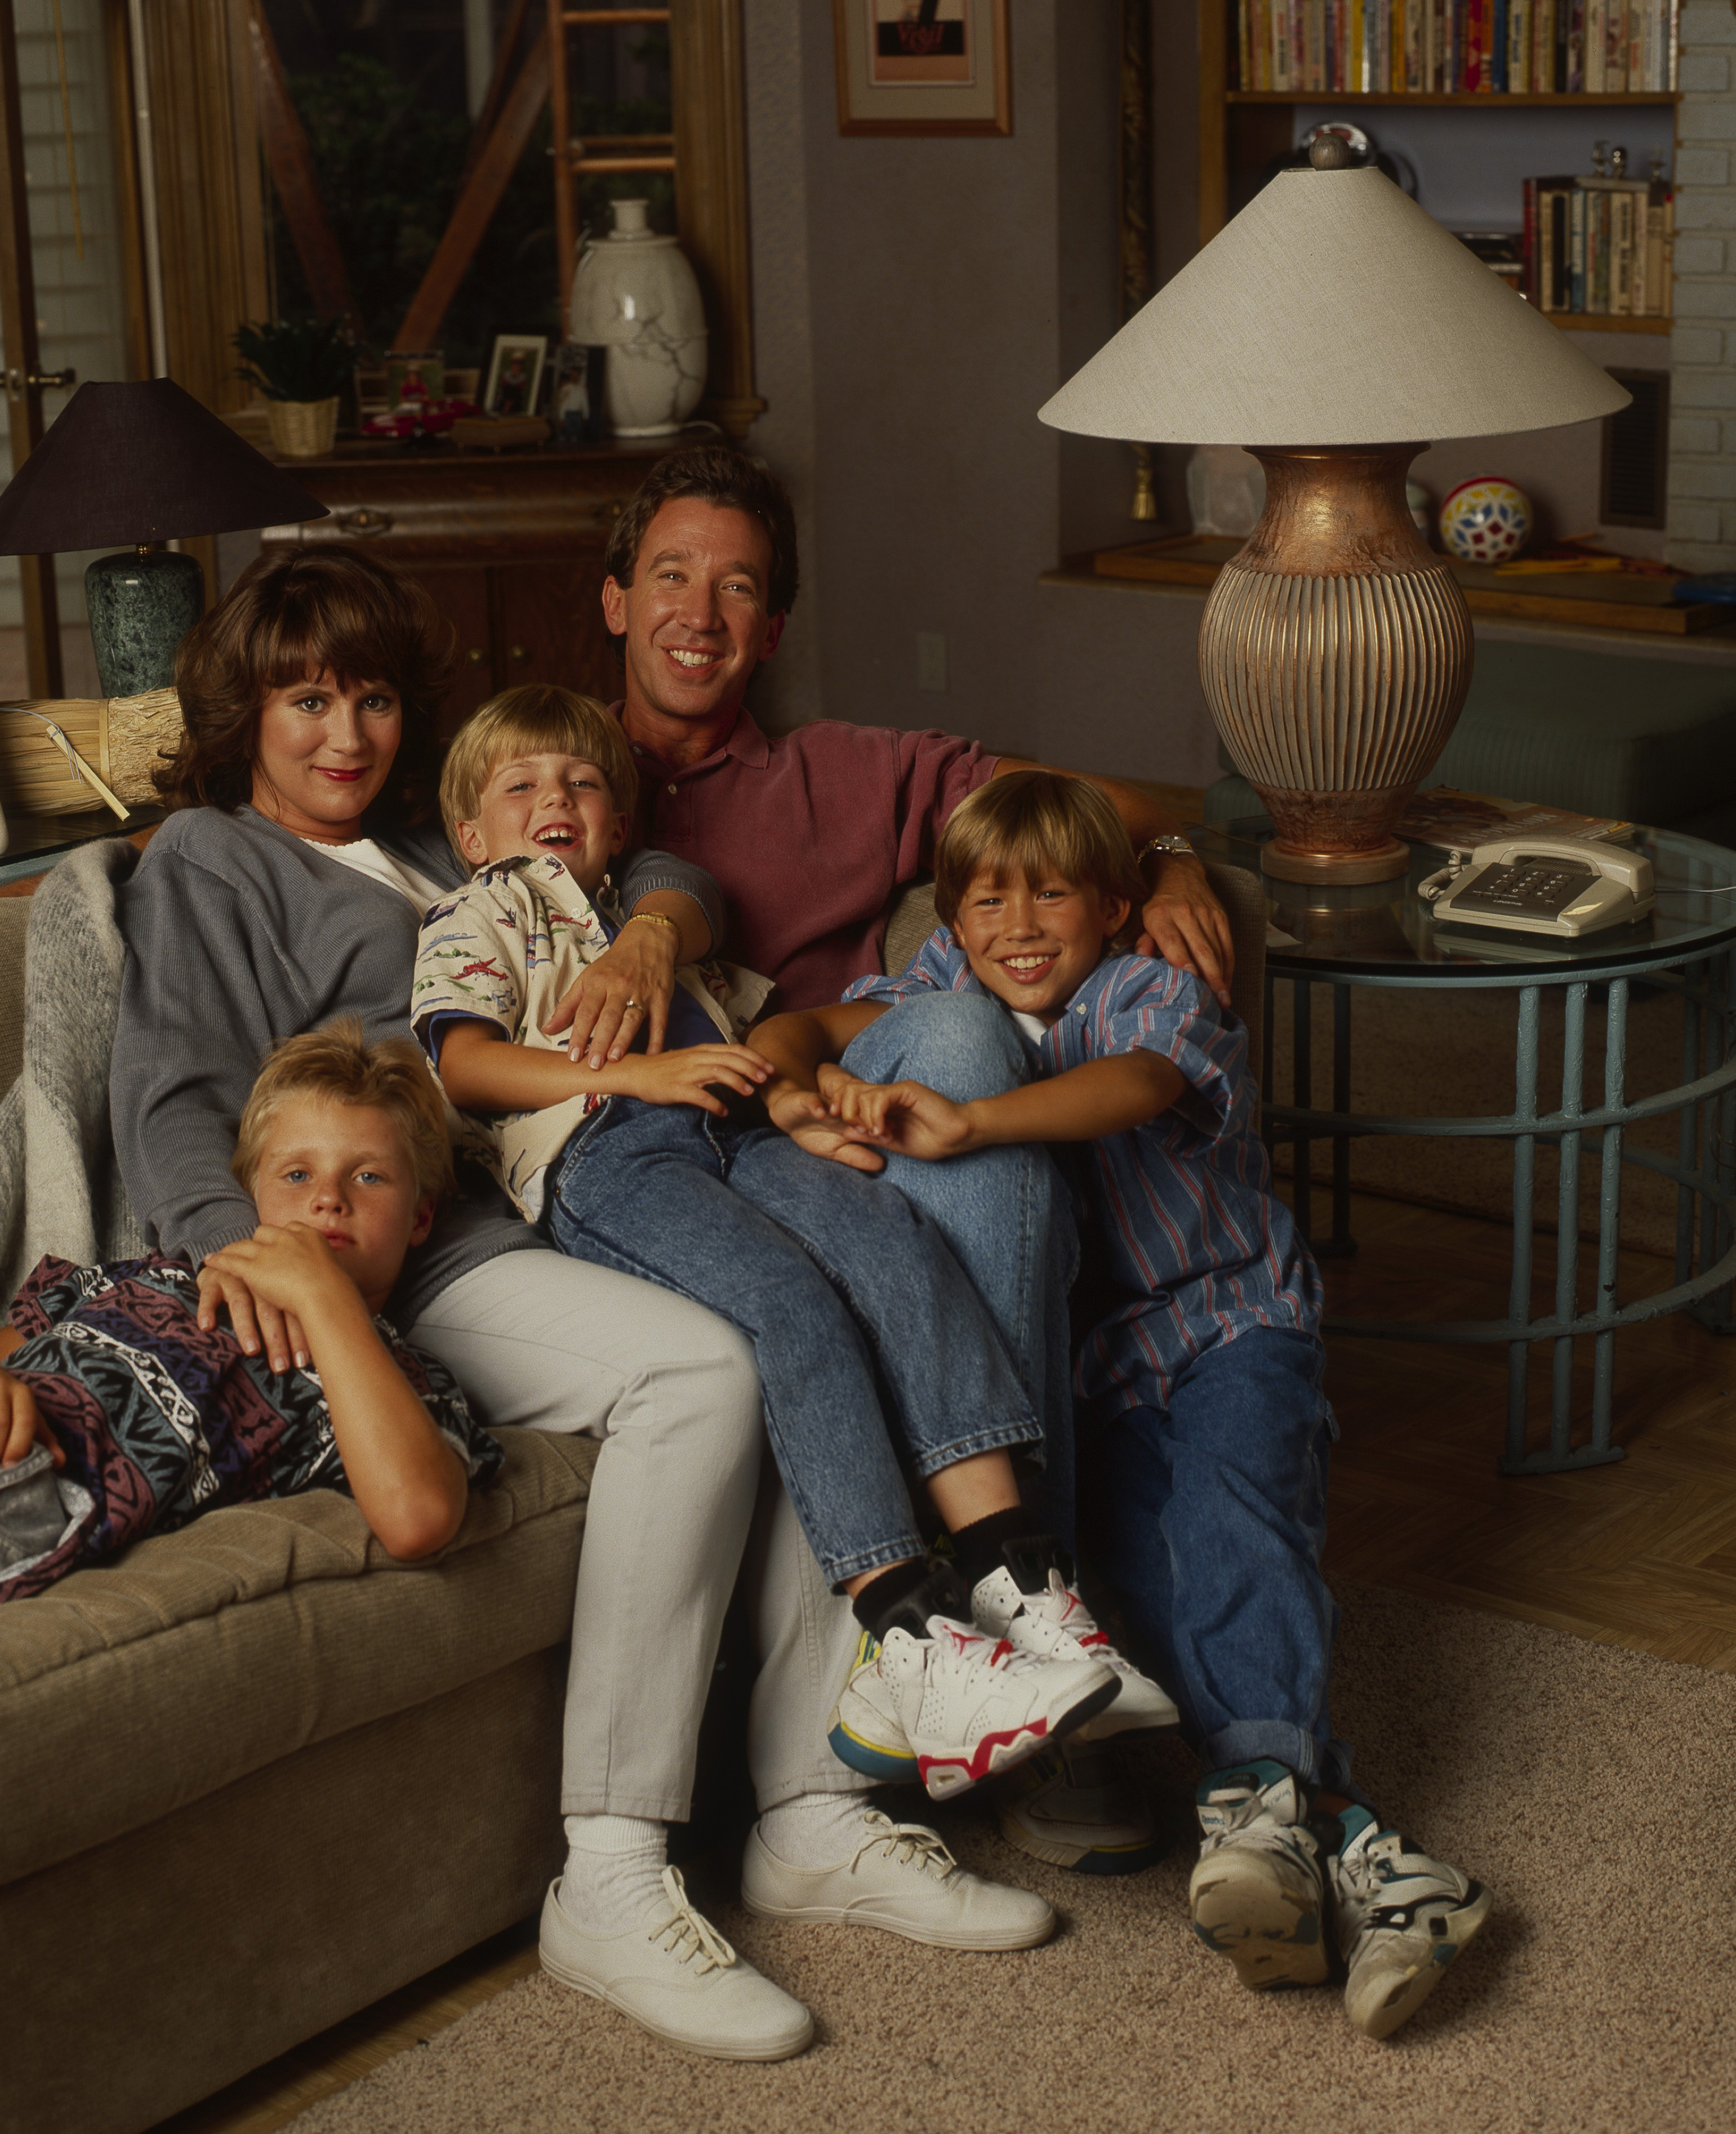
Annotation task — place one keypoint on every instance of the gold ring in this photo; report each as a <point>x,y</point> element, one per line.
<point>635,1005</point>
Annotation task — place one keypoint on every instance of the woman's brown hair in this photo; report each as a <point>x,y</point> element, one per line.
<point>290,616</point>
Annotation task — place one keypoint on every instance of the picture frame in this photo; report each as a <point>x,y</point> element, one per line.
<point>516,374</point>
<point>910,67</point>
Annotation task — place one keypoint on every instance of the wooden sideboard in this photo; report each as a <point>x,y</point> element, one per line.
<point>509,544</point>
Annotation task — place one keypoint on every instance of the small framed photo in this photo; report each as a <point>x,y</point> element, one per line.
<point>922,67</point>
<point>577,408</point>
<point>516,374</point>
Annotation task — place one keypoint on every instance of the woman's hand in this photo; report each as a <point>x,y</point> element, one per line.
<point>630,985</point>
<point>906,1116</point>
<point>681,1077</point>
<point>22,1425</point>
<point>802,1114</point>
<point>259,1325</point>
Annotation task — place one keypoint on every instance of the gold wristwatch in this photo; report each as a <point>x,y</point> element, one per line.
<point>1172,842</point>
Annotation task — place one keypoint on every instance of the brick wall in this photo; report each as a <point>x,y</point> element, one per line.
<point>1702,532</point>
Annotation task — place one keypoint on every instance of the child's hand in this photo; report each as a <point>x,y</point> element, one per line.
<point>22,1425</point>
<point>680,1077</point>
<point>292,1269</point>
<point>804,1117</point>
<point>907,1117</point>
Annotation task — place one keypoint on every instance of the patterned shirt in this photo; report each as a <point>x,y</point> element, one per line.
<point>161,1420</point>
<point>504,949</point>
<point>1195,1249</point>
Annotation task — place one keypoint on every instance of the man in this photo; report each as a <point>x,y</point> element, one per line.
<point>810,836</point>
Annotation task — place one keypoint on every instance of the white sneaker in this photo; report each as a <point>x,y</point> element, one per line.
<point>677,1977</point>
<point>1055,1624</point>
<point>1402,1919</point>
<point>1259,1892</point>
<point>957,1705</point>
<point>1070,1806</point>
<point>901,1878</point>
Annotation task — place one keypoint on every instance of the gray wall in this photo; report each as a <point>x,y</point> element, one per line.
<point>915,302</point>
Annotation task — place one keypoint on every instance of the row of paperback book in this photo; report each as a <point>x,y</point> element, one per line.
<point>1486,47</point>
<point>1599,245</point>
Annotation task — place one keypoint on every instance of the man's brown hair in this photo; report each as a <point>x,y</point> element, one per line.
<point>291,616</point>
<point>337,1062</point>
<point>536,719</point>
<point>714,474</point>
<point>1031,824</point>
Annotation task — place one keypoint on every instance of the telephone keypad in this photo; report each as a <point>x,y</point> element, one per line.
<point>1528,887</point>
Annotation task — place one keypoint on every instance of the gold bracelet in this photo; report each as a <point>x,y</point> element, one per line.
<point>654,918</point>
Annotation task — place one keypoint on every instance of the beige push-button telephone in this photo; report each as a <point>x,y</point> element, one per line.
<point>1533,885</point>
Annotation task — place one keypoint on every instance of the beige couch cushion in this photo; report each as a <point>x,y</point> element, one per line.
<point>130,1690</point>
<point>14,917</point>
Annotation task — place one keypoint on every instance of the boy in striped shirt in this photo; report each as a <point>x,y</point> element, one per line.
<point>1203,1428</point>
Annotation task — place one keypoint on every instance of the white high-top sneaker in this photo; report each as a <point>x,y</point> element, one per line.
<point>1258,1891</point>
<point>951,1706</point>
<point>1053,1623</point>
<point>1402,1919</point>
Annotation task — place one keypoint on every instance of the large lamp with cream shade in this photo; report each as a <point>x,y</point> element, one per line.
<point>1331,329</point>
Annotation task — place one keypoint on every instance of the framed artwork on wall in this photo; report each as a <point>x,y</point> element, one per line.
<point>922,67</point>
<point>516,375</point>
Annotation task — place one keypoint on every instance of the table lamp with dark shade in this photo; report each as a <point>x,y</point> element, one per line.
<point>141,464</point>
<point>1332,328</point>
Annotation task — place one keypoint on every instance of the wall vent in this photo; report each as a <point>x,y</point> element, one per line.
<point>1635,487</point>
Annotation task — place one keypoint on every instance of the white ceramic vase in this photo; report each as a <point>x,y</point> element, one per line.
<point>635,294</point>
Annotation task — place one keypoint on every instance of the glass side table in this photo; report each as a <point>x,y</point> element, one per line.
<point>1382,935</point>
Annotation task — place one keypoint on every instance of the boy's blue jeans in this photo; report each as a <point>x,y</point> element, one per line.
<point>862,1320</point>
<point>1206,1520</point>
<point>1005,1212</point>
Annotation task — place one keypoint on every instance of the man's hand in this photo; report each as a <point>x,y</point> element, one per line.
<point>907,1117</point>
<point>629,986</point>
<point>22,1425</point>
<point>802,1114</point>
<point>1186,926</point>
<point>258,1325</point>
<point>289,1272</point>
<point>682,1077</point>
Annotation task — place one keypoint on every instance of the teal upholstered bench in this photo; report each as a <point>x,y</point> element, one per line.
<point>1648,740</point>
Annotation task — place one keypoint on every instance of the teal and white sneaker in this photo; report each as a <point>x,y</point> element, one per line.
<point>1257,1893</point>
<point>1402,1919</point>
<point>1072,1806</point>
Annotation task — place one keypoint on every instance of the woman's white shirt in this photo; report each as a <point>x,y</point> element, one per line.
<point>373,860</point>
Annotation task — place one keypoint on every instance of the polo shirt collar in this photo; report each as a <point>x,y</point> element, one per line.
<point>746,743</point>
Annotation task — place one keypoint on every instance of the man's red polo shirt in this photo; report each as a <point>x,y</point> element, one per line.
<point>809,835</point>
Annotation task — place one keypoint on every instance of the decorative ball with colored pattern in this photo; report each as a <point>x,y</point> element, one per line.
<point>1487,520</point>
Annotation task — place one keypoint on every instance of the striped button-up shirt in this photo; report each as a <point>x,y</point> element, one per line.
<point>1194,1247</point>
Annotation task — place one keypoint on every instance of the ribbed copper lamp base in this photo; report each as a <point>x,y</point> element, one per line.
<point>1334,652</point>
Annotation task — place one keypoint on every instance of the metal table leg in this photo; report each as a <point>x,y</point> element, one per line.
<point>1525,1174</point>
<point>1609,1217</point>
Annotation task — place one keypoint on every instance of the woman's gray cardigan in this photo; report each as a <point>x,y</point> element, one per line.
<point>239,935</point>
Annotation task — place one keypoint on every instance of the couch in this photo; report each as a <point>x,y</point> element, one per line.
<point>256,1776</point>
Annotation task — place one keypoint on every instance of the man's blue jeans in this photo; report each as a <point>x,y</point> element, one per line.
<point>1005,1212</point>
<point>862,1320</point>
<point>1207,1522</point>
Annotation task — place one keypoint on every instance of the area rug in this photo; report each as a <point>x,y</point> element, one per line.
<point>1589,1787</point>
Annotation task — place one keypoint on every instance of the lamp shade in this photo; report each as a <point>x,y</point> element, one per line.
<point>136,463</point>
<point>1332,311</point>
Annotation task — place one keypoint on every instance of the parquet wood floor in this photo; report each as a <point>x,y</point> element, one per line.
<point>1642,1554</point>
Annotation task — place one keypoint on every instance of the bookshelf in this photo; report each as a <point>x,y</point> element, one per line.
<point>1241,130</point>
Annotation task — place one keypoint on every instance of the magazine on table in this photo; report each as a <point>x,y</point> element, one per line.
<point>1453,821</point>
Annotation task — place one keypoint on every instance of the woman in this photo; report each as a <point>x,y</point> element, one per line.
<point>286,888</point>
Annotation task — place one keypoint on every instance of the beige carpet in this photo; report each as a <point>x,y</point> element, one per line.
<point>1590,1786</point>
<point>1438,1054</point>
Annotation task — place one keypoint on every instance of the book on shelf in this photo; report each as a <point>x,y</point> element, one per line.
<point>1476,47</point>
<point>1598,247</point>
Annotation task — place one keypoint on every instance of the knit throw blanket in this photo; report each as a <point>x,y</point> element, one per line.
<point>60,1191</point>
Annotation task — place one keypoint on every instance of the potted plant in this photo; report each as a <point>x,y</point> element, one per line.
<point>301,366</point>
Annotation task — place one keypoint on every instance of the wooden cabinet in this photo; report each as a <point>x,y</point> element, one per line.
<point>510,546</point>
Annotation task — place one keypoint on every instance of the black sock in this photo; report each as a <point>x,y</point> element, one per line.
<point>905,1596</point>
<point>979,1547</point>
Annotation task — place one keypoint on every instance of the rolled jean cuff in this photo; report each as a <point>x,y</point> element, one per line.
<point>998,1437</point>
<point>1322,1764</point>
<point>880,1557</point>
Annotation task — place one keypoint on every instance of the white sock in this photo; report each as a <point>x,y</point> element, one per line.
<point>614,1871</point>
<point>815,1830</point>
